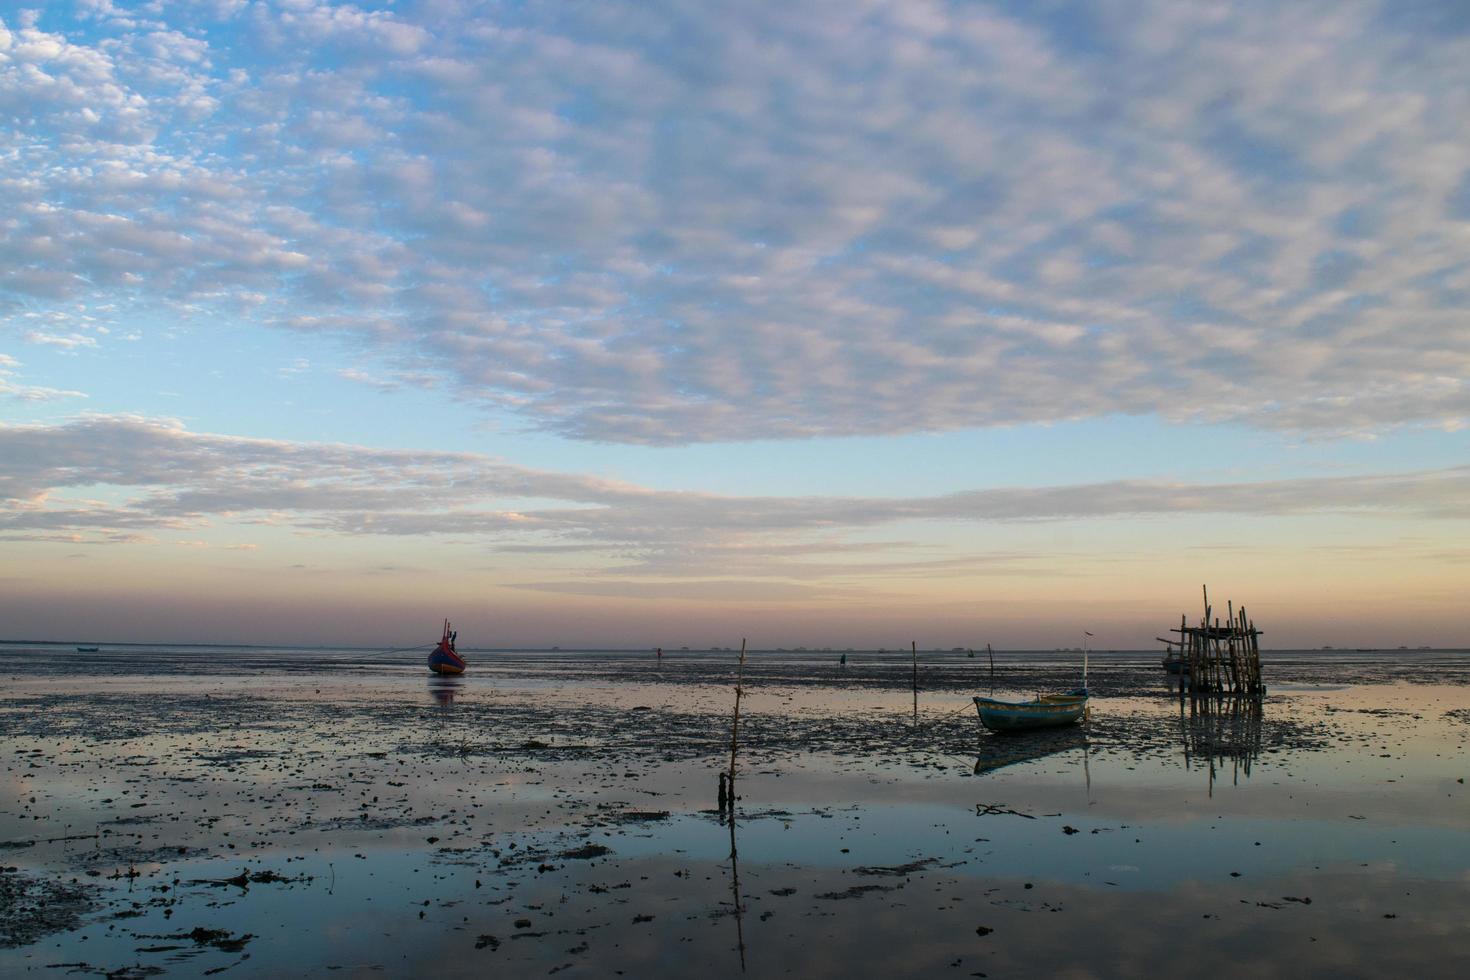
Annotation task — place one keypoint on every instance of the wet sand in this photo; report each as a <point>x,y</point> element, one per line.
<point>298,812</point>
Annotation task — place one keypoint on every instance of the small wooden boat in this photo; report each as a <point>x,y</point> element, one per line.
<point>1174,662</point>
<point>88,649</point>
<point>1045,711</point>
<point>444,659</point>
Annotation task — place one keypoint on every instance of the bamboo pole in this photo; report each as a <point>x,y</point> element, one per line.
<point>734,856</point>
<point>914,646</point>
<point>1186,651</point>
<point>1085,636</point>
<point>735,724</point>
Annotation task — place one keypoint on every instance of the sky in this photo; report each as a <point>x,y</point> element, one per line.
<point>662,323</point>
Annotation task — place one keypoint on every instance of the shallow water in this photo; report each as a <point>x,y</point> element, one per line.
<point>388,822</point>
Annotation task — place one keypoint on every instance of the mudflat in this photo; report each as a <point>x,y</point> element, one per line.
<point>291,812</point>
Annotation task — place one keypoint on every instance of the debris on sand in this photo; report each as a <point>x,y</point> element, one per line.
<point>221,939</point>
<point>245,879</point>
<point>999,809</point>
<point>32,907</point>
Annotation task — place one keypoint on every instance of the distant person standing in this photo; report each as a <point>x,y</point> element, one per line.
<point>660,653</point>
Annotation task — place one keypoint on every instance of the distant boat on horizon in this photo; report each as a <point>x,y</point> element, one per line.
<point>88,649</point>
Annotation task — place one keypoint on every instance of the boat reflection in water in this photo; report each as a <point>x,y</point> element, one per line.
<point>444,688</point>
<point>999,752</point>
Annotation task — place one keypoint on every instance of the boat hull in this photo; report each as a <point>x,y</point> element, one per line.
<point>445,662</point>
<point>1048,711</point>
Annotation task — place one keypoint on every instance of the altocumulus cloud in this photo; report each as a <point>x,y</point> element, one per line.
<point>111,478</point>
<point>669,222</point>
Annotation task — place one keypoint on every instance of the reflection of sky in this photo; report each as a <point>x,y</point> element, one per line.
<point>1149,855</point>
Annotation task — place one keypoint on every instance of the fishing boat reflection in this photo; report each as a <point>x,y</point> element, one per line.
<point>444,688</point>
<point>998,752</point>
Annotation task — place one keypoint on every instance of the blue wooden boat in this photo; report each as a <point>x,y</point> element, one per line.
<point>1045,711</point>
<point>444,659</point>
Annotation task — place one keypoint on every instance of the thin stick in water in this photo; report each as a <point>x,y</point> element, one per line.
<point>735,723</point>
<point>914,645</point>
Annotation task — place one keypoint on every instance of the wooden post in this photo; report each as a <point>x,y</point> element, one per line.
<point>914,645</point>
<point>992,669</point>
<point>735,724</point>
<point>1186,652</point>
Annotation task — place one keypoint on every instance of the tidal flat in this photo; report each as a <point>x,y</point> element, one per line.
<point>302,812</point>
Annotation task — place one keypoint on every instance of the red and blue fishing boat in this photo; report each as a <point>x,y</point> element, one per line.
<point>444,659</point>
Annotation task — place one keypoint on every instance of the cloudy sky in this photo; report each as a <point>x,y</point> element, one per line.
<point>662,323</point>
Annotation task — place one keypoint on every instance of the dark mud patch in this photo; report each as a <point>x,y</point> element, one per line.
<point>619,817</point>
<point>220,939</point>
<point>32,907</point>
<point>368,821</point>
<point>898,870</point>
<point>856,891</point>
<point>119,856</point>
<point>609,733</point>
<point>247,878</point>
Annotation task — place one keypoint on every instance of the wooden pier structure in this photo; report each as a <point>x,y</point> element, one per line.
<point>1223,659</point>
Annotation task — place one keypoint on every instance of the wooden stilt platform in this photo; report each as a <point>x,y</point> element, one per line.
<point>1223,658</point>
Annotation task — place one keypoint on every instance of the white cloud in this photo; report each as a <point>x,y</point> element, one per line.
<point>775,219</point>
<point>10,387</point>
<point>164,477</point>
